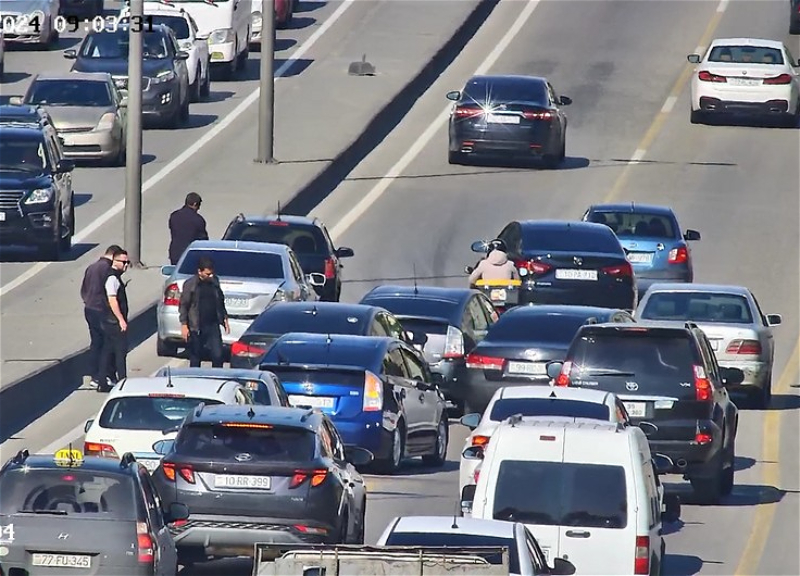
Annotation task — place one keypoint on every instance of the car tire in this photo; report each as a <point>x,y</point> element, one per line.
<point>761,398</point>
<point>166,349</point>
<point>455,158</point>
<point>66,241</point>
<point>553,161</point>
<point>241,59</point>
<point>205,89</point>
<point>52,252</point>
<point>439,457</point>
<point>392,464</point>
<point>728,474</point>
<point>194,87</point>
<point>362,526</point>
<point>794,27</point>
<point>709,488</point>
<point>344,533</point>
<point>696,117</point>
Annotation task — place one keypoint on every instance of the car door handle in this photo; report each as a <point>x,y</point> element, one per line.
<point>578,534</point>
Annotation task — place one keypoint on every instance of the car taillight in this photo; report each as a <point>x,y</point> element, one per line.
<point>563,378</point>
<point>702,385</point>
<point>480,440</point>
<point>146,553</point>
<point>532,266</point>
<point>373,393</point>
<point>454,343</point>
<point>300,476</point>
<point>242,350</point>
<point>641,562</point>
<point>709,77</point>
<point>172,295</point>
<point>476,475</point>
<point>782,79</point>
<point>184,470</point>
<point>310,529</point>
<point>99,449</point>
<point>703,437</point>
<point>467,111</point>
<point>678,255</point>
<point>481,362</point>
<point>330,268</point>
<point>740,346</point>
<point>620,270</point>
<point>538,115</point>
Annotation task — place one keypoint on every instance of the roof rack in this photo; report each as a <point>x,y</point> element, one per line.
<point>307,415</point>
<point>690,325</point>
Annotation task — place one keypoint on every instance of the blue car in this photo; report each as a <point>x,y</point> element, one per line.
<point>378,392</point>
<point>652,238</point>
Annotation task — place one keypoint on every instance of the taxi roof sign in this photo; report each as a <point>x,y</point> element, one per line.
<point>68,457</point>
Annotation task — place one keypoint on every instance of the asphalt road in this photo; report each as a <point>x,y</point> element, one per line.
<point>623,63</point>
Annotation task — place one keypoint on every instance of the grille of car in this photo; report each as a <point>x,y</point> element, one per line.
<point>9,199</point>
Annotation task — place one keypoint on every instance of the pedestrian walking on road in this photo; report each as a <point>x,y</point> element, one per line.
<point>115,325</point>
<point>185,226</point>
<point>95,304</point>
<point>202,312</point>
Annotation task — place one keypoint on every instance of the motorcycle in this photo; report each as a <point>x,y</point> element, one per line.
<point>503,294</point>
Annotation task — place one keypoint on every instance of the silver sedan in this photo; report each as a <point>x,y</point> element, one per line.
<point>739,332</point>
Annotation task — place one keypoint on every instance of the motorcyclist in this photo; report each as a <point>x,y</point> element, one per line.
<point>496,265</point>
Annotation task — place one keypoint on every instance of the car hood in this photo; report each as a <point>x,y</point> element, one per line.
<point>746,70</point>
<point>66,117</point>
<point>10,180</point>
<point>23,6</point>
<point>119,66</point>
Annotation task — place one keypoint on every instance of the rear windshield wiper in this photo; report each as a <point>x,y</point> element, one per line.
<point>50,512</point>
<point>601,372</point>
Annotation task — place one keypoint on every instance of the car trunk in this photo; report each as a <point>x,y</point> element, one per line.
<point>522,361</point>
<point>334,390</point>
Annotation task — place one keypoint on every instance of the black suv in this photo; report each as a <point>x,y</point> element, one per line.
<point>668,376</point>
<point>59,512</point>
<point>36,200</point>
<point>261,474</point>
<point>309,239</point>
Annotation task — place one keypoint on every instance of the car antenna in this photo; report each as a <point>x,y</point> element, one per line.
<point>633,207</point>
<point>416,290</point>
<point>279,211</point>
<point>282,360</point>
<point>169,377</point>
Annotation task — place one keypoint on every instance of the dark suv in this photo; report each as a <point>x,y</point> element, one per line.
<point>794,16</point>
<point>668,376</point>
<point>36,200</point>
<point>261,474</point>
<point>309,239</point>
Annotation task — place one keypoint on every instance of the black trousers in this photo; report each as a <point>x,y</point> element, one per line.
<point>94,320</point>
<point>115,352</point>
<point>209,338</point>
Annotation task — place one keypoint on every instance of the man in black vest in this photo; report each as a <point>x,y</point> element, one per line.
<point>115,323</point>
<point>185,226</point>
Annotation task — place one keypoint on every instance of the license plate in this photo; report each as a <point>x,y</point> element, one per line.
<point>217,56</point>
<point>313,401</point>
<point>150,464</point>
<point>243,482</point>
<point>640,258</point>
<point>569,274</point>
<point>502,119</point>
<point>531,368</point>
<point>744,82</point>
<point>62,560</point>
<point>236,302</point>
<point>2,216</point>
<point>498,294</point>
<point>636,409</point>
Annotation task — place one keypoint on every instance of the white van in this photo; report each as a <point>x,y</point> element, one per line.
<point>586,490</point>
<point>228,24</point>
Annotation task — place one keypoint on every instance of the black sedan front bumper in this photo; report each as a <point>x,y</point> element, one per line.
<point>35,228</point>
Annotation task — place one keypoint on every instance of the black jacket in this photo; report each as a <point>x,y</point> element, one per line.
<point>189,309</point>
<point>122,300</point>
<point>185,226</point>
<point>93,288</point>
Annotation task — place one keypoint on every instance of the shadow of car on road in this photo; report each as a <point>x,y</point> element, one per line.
<point>683,565</point>
<point>306,7</point>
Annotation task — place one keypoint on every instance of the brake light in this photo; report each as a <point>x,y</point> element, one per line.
<point>144,544</point>
<point>563,378</point>
<point>454,344</point>
<point>300,476</point>
<point>373,393</point>
<point>172,295</point>
<point>479,362</point>
<point>709,77</point>
<point>703,438</point>
<point>310,529</point>
<point>740,346</point>
<point>330,268</point>
<point>476,475</point>
<point>621,270</point>
<point>467,111</point>
<point>278,223</point>
<point>538,115</point>
<point>165,395</point>
<point>243,350</point>
<point>184,471</point>
<point>678,255</point>
<point>532,266</point>
<point>98,449</point>
<point>782,79</point>
<point>641,562</point>
<point>702,386</point>
<point>480,441</point>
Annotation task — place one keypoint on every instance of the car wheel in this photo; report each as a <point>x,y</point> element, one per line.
<point>194,88</point>
<point>362,526</point>
<point>727,476</point>
<point>794,28</point>
<point>439,457</point>
<point>241,59</point>
<point>396,453</point>
<point>552,161</point>
<point>166,349</point>
<point>709,488</point>
<point>343,531</point>
<point>455,158</point>
<point>66,241</point>
<point>52,252</point>
<point>205,89</point>
<point>696,117</point>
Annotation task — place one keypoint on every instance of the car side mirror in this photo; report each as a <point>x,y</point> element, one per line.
<point>71,54</point>
<point>164,447</point>
<point>565,100</point>
<point>181,55</point>
<point>662,464</point>
<point>471,421</point>
<point>562,567</point>
<point>15,100</point>
<point>672,508</point>
<point>358,456</point>
<point>344,252</point>
<point>648,428</point>
<point>479,246</point>
<point>691,235</point>
<point>473,453</point>
<point>453,95</point>
<point>65,166</point>
<point>731,376</point>
<point>167,270</point>
<point>774,319</point>
<point>693,58</point>
<point>88,425</point>
<point>316,279</point>
<point>554,369</point>
<point>417,338</point>
<point>176,511</point>
<point>123,103</point>
<point>467,498</point>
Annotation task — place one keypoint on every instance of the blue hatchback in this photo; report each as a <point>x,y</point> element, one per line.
<point>652,239</point>
<point>377,391</point>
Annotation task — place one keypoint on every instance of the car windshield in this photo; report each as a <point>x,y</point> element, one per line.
<point>303,239</point>
<point>566,494</point>
<point>22,155</point>
<point>636,224</point>
<point>434,330</point>
<point>414,305</point>
<point>698,307</point>
<point>156,412</point>
<point>497,91</point>
<point>262,442</point>
<point>237,263</point>
<point>67,492</point>
<point>555,328</point>
<point>70,93</point>
<point>563,239</point>
<point>746,55</point>
<point>282,318</point>
<point>178,24</point>
<point>506,407</point>
<point>456,540</point>
<point>114,45</point>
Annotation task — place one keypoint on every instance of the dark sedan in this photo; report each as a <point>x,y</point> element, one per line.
<point>518,347</point>
<point>794,16</point>
<point>574,263</point>
<point>511,116</point>
<point>165,78</point>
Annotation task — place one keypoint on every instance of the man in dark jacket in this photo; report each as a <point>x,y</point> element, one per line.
<point>115,324</point>
<point>202,312</point>
<point>185,226</point>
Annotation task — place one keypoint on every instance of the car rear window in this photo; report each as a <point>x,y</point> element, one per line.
<point>263,442</point>
<point>565,239</point>
<point>237,263</point>
<point>416,306</point>
<point>746,55</point>
<point>434,330</point>
<point>456,540</point>
<point>148,413</point>
<point>283,352</point>
<point>302,238</point>
<point>504,408</point>
<point>557,328</point>
<point>565,494</point>
<point>636,224</point>
<point>511,90</point>
<point>67,492</point>
<point>281,319</point>
<point>698,307</point>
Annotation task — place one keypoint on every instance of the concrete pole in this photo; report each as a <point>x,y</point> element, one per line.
<point>133,161</point>
<point>266,97</point>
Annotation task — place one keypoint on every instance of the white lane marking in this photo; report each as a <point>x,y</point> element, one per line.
<point>188,153</point>
<point>723,5</point>
<point>638,155</point>
<point>411,154</point>
<point>669,105</point>
<point>78,431</point>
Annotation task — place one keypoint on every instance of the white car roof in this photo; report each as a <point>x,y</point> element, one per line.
<point>160,8</point>
<point>444,524</point>
<point>691,287</point>
<point>766,43</point>
<point>194,387</point>
<point>561,393</point>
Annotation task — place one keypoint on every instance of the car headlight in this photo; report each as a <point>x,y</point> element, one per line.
<point>162,77</point>
<point>257,20</point>
<point>40,196</point>
<point>106,122</point>
<point>221,36</point>
<point>185,45</point>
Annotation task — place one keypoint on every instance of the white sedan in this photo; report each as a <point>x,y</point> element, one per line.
<point>745,76</point>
